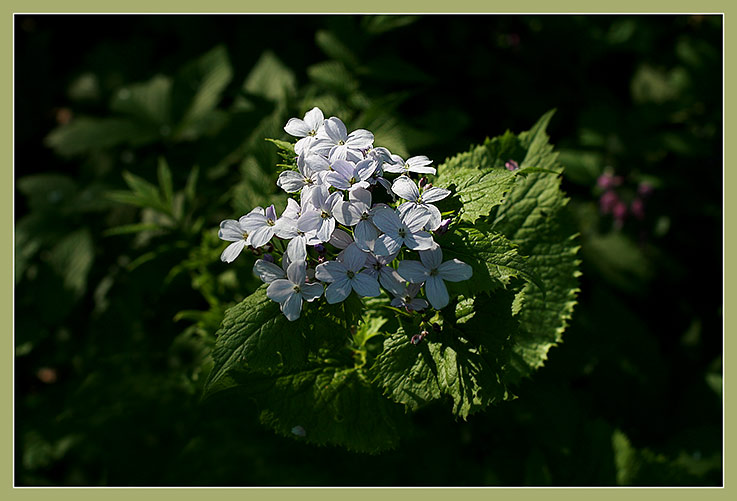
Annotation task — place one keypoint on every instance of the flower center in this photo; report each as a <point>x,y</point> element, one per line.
<point>365,216</point>
<point>313,132</point>
<point>434,272</point>
<point>341,142</point>
<point>377,266</point>
<point>296,289</point>
<point>350,274</point>
<point>270,222</point>
<point>402,232</point>
<point>244,235</point>
<point>353,180</point>
<point>324,215</point>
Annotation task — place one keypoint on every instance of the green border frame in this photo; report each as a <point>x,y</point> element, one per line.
<point>322,6</point>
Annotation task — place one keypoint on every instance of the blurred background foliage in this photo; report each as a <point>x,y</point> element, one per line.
<point>136,135</point>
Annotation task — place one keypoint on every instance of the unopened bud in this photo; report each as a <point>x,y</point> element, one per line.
<point>511,165</point>
<point>645,189</point>
<point>422,182</point>
<point>443,228</point>
<point>416,339</point>
<point>268,258</point>
<point>320,249</point>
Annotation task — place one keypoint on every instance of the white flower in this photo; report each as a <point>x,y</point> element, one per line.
<point>233,231</point>
<point>344,276</point>
<point>306,179</point>
<point>290,292</point>
<point>260,225</point>
<point>405,229</point>
<point>434,272</point>
<point>378,267</point>
<point>357,212</point>
<point>307,129</point>
<point>319,216</point>
<point>349,175</point>
<point>407,189</point>
<point>417,164</point>
<point>405,298</point>
<point>268,272</point>
<point>334,141</point>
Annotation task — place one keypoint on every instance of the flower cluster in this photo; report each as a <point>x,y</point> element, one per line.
<point>613,198</point>
<point>334,238</point>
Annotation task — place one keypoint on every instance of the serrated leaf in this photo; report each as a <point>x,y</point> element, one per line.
<point>464,361</point>
<point>535,218</point>
<point>479,188</point>
<point>256,337</point>
<point>327,405</point>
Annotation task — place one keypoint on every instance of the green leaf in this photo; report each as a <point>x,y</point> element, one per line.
<point>84,134</point>
<point>271,79</point>
<point>472,178</point>
<point>72,259</point>
<point>492,256</point>
<point>327,404</point>
<point>165,182</point>
<point>148,102</point>
<point>198,88</point>
<point>463,361</point>
<point>535,218</point>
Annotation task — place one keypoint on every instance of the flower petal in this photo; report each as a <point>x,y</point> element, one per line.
<point>314,118</point>
<point>331,271</point>
<point>296,127</point>
<point>297,248</point>
<point>387,244</point>
<point>310,292</point>
<point>261,236</point>
<point>455,271</point>
<point>325,231</point>
<point>432,258</point>
<point>334,129</point>
<point>296,273</point>
<point>309,221</point>
<point>292,307</point>
<point>365,285</point>
<point>360,139</point>
<point>434,194</point>
<point>340,239</point>
<point>268,272</point>
<point>354,258</point>
<point>418,241</point>
<point>232,251</point>
<point>346,213</point>
<point>417,304</point>
<point>387,221</point>
<point>436,292</point>
<point>391,280</point>
<point>290,181</point>
<point>345,168</point>
<point>338,290</point>
<point>230,231</point>
<point>279,290</point>
<point>405,188</point>
<point>413,271</point>
<point>365,169</point>
<point>360,197</point>
<point>365,234</point>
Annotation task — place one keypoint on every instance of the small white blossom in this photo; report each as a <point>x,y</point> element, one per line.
<point>290,292</point>
<point>260,225</point>
<point>345,276</point>
<point>233,231</point>
<point>433,272</point>
<point>419,164</point>
<point>306,129</point>
<point>319,217</point>
<point>407,189</point>
<point>334,141</point>
<point>405,229</point>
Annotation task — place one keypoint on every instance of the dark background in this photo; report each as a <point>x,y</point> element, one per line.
<point>112,329</point>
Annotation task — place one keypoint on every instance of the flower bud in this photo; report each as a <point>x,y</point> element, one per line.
<point>645,189</point>
<point>268,258</point>
<point>416,339</point>
<point>637,208</point>
<point>511,165</point>
<point>320,249</point>
<point>443,228</point>
<point>422,182</point>
<point>607,202</point>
